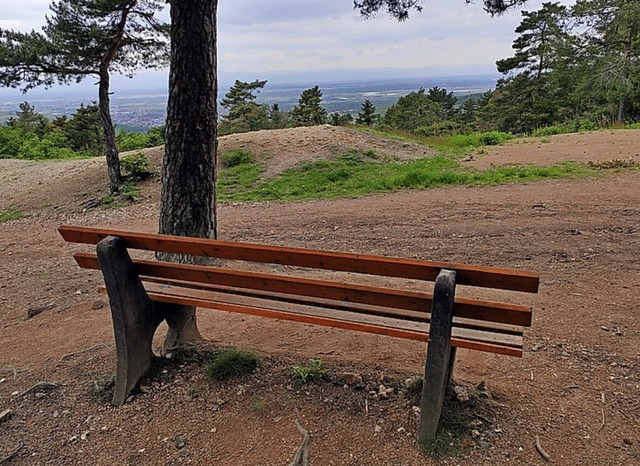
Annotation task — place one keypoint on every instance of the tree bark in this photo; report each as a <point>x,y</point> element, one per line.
<point>188,200</point>
<point>111,150</point>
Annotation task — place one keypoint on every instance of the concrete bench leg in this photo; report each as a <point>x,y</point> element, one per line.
<point>133,315</point>
<point>440,357</point>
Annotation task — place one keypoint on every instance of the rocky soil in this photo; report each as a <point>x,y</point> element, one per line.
<point>577,388</point>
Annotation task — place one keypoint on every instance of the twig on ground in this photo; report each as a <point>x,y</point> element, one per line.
<point>570,387</point>
<point>603,421</point>
<point>302,454</point>
<point>40,386</point>
<point>366,406</point>
<point>12,454</point>
<point>70,355</point>
<point>602,397</point>
<point>543,453</point>
<point>14,371</point>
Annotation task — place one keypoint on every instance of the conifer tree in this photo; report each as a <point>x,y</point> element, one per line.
<point>309,112</point>
<point>367,116</point>
<point>86,38</point>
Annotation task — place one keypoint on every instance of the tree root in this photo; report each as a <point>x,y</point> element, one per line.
<point>7,458</point>
<point>543,453</point>
<point>40,386</point>
<point>70,355</point>
<point>302,454</point>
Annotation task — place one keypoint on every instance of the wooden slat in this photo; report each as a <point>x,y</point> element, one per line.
<point>465,308</point>
<point>333,322</point>
<point>412,316</point>
<point>214,298</point>
<point>489,277</point>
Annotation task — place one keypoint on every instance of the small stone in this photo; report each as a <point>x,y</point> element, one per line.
<point>377,429</point>
<point>145,389</point>
<point>416,409</point>
<point>84,435</point>
<point>349,378</point>
<point>129,399</point>
<point>180,441</point>
<point>66,412</point>
<point>5,415</point>
<point>537,347</point>
<point>401,430</point>
<point>97,305</point>
<point>475,433</point>
<point>73,438</point>
<point>483,444</point>
<point>605,328</point>
<point>462,393</point>
<point>3,380</point>
<point>16,393</point>
<point>40,395</point>
<point>241,390</point>
<point>382,392</point>
<point>413,384</point>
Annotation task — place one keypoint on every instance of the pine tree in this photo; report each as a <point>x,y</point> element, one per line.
<point>84,38</point>
<point>610,44</point>
<point>367,116</point>
<point>309,112</point>
<point>244,114</point>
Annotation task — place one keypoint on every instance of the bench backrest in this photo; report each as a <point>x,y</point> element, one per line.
<point>486,277</point>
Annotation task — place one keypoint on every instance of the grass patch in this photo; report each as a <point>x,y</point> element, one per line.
<point>227,363</point>
<point>314,371</point>
<point>454,430</point>
<point>10,214</point>
<point>102,386</point>
<point>353,175</point>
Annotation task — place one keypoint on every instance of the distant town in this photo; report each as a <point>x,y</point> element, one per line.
<point>139,111</point>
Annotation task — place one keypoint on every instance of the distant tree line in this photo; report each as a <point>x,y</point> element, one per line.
<point>30,135</point>
<point>573,68</point>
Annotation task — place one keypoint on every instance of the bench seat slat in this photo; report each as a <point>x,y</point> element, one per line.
<point>466,308</point>
<point>412,316</point>
<point>323,317</point>
<point>488,277</point>
<point>483,335</point>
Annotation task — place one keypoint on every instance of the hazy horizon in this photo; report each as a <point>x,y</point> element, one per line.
<point>150,82</point>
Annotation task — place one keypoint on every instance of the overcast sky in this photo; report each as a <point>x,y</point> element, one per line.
<point>257,37</point>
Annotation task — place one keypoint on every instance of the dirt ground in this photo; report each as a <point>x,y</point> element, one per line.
<point>577,388</point>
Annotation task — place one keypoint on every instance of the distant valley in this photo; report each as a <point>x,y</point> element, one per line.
<point>138,111</point>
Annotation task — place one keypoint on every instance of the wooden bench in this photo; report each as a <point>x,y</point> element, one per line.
<point>143,292</point>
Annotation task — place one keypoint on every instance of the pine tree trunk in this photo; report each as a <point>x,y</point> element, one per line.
<point>111,150</point>
<point>188,200</point>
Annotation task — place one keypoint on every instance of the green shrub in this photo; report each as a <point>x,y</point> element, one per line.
<point>493,138</point>
<point>136,166</point>
<point>237,157</point>
<point>441,128</point>
<point>314,371</point>
<point>230,362</point>
<point>580,126</point>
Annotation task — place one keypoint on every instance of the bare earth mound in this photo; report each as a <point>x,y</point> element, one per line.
<point>576,389</point>
<point>280,149</point>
